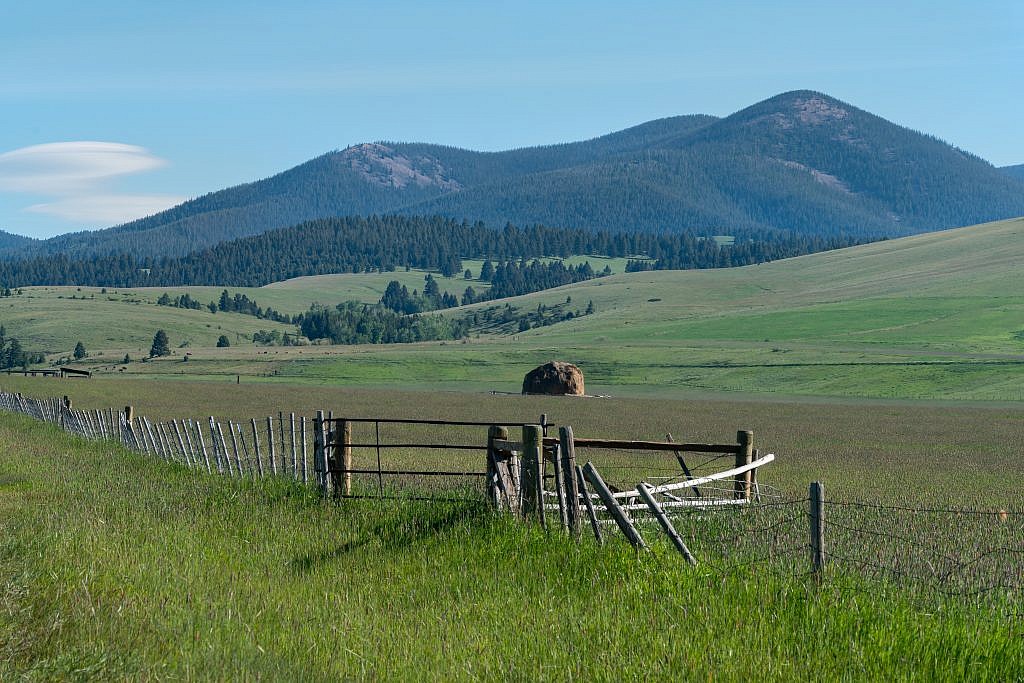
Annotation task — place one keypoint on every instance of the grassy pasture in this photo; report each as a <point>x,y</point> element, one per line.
<point>889,451</point>
<point>116,566</point>
<point>48,319</point>
<point>932,316</point>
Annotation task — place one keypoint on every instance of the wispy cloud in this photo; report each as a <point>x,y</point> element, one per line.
<point>106,209</point>
<point>75,175</point>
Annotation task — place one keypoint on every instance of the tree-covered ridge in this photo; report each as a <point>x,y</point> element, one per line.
<point>355,323</point>
<point>384,243</point>
<point>239,303</point>
<point>798,162</point>
<point>1016,172</point>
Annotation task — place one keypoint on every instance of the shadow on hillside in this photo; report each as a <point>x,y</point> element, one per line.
<point>402,529</point>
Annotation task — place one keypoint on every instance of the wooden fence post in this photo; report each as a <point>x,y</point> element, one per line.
<point>556,461</point>
<point>256,446</point>
<point>295,453</point>
<point>494,485</point>
<point>744,456</point>
<point>612,505</point>
<point>319,457</point>
<point>305,466</point>
<point>594,525</point>
<point>572,489</point>
<point>344,437</point>
<point>817,527</point>
<point>533,457</point>
<point>270,445</point>
<point>665,522</point>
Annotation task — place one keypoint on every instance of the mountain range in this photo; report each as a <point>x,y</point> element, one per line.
<point>801,161</point>
<point>1014,171</point>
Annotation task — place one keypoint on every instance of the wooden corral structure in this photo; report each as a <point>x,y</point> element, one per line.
<point>51,372</point>
<point>540,477</point>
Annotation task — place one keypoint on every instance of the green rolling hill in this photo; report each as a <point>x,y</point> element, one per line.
<point>1014,171</point>
<point>938,315</point>
<point>801,161</point>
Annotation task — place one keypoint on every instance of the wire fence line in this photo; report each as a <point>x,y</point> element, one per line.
<point>961,553</point>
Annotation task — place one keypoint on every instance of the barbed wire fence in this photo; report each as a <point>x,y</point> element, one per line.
<point>964,554</point>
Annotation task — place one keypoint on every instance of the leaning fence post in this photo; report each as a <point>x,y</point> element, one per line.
<point>665,522</point>
<point>572,489</point>
<point>744,456</point>
<point>613,507</point>
<point>589,505</point>
<point>817,527</point>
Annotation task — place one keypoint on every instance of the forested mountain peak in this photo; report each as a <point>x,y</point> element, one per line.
<point>800,162</point>
<point>384,166</point>
<point>1014,171</point>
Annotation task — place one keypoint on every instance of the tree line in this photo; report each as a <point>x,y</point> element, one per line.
<point>386,243</point>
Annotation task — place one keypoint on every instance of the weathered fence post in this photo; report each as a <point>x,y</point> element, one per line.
<point>345,434</point>
<point>319,457</point>
<point>494,482</point>
<point>295,453</point>
<point>744,456</point>
<point>533,458</point>
<point>270,444</point>
<point>613,507</point>
<point>572,489</point>
<point>594,525</point>
<point>817,527</point>
<point>556,461</point>
<point>256,447</point>
<point>665,522</point>
<point>305,458</point>
<point>333,456</point>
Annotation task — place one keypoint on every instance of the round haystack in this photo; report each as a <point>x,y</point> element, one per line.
<point>555,378</point>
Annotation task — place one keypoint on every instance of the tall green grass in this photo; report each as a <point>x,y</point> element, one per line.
<point>115,566</point>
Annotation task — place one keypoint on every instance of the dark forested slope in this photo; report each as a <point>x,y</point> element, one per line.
<point>801,162</point>
<point>385,243</point>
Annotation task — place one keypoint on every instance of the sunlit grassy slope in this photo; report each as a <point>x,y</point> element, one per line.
<point>958,290</point>
<point>121,568</point>
<point>933,316</point>
<point>53,319</point>
<point>48,319</point>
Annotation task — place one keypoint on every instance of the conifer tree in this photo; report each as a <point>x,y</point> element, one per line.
<point>161,346</point>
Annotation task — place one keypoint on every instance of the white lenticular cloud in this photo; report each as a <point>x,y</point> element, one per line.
<point>75,176</point>
<point>106,209</point>
<point>59,167</point>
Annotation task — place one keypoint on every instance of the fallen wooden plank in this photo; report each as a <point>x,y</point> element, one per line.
<point>666,524</point>
<point>612,505</point>
<point>725,474</point>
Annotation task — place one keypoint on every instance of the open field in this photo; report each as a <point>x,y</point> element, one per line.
<point>112,324</point>
<point>891,451</point>
<point>119,566</point>
<point>936,316</point>
<point>295,295</point>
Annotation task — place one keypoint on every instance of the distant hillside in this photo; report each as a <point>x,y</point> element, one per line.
<point>800,161</point>
<point>354,244</point>
<point>1014,171</point>
<point>942,292</point>
<point>11,244</point>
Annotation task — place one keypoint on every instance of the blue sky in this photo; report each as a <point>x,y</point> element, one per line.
<point>189,97</point>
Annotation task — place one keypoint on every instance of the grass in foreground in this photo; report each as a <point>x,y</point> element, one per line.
<point>115,566</point>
